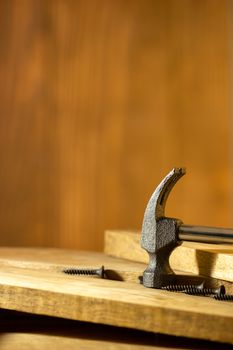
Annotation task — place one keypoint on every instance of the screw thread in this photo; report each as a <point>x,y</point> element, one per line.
<point>79,272</point>
<point>195,289</point>
<point>186,288</point>
<point>214,291</point>
<point>88,272</point>
<point>224,297</point>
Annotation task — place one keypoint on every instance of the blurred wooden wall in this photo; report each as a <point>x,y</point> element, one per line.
<point>99,100</point>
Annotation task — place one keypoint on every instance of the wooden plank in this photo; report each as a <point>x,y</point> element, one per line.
<point>56,260</point>
<point>24,332</point>
<point>126,304</point>
<point>31,341</point>
<point>115,303</point>
<point>198,258</point>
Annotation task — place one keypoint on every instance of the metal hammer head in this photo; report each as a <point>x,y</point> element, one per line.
<point>159,234</point>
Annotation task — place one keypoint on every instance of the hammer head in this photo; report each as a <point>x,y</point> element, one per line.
<point>159,234</point>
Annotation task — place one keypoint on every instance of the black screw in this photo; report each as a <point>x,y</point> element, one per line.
<point>224,297</point>
<point>195,289</point>
<point>90,272</point>
<point>220,291</point>
<point>185,288</point>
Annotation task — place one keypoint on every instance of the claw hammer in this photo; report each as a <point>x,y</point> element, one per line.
<point>160,234</point>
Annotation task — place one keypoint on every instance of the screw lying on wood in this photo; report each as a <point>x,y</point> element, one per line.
<point>185,288</point>
<point>220,291</point>
<point>90,272</point>
<point>224,297</point>
<point>195,289</point>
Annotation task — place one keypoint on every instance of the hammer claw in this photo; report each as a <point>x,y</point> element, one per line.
<point>156,209</point>
<point>156,239</point>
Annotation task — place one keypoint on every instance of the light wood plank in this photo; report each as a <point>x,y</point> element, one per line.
<point>198,258</point>
<point>118,303</point>
<point>56,260</point>
<point>115,303</point>
<point>33,341</point>
<point>23,331</point>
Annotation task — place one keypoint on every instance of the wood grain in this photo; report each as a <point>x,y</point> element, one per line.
<point>56,260</point>
<point>116,268</point>
<point>99,100</point>
<point>27,341</point>
<point>209,260</point>
<point>117,303</point>
<point>24,331</point>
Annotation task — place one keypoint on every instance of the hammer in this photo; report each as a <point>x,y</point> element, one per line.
<point>160,234</point>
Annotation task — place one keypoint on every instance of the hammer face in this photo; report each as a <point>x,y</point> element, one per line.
<point>166,240</point>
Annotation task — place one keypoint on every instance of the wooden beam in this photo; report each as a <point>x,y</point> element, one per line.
<point>25,332</point>
<point>47,291</point>
<point>209,260</point>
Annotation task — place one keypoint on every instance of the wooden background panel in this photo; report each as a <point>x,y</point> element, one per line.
<point>99,100</point>
<point>27,211</point>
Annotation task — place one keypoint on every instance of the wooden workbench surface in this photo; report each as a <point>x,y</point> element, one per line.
<point>31,280</point>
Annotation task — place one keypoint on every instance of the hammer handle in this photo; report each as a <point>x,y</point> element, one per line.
<point>206,234</point>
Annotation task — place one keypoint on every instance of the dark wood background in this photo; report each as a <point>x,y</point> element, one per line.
<point>99,100</point>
